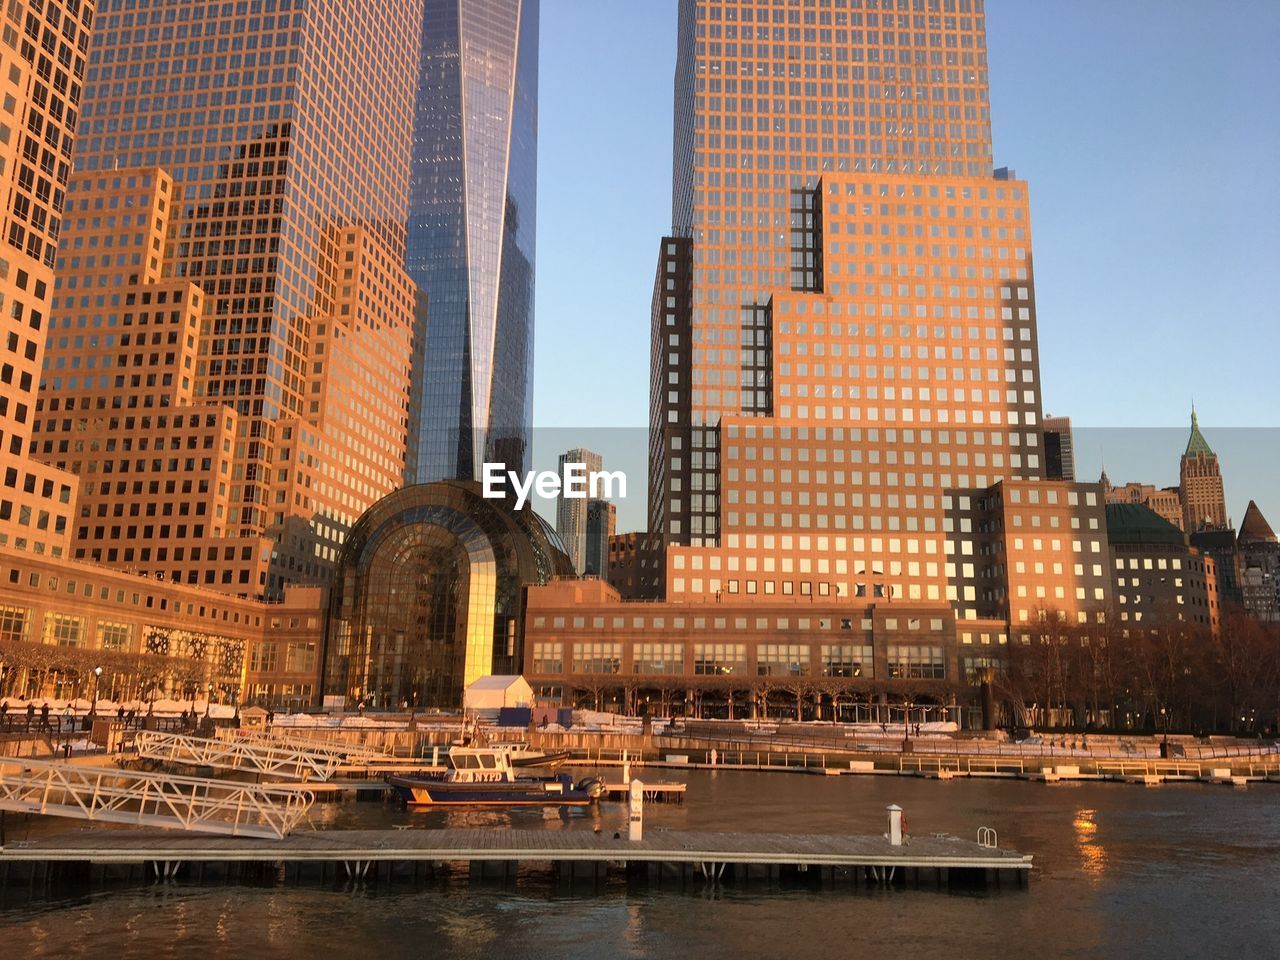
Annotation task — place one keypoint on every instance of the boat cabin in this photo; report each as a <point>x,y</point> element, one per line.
<point>479,765</point>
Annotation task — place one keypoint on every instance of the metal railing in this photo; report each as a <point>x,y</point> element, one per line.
<point>149,799</point>
<point>346,753</point>
<point>266,759</point>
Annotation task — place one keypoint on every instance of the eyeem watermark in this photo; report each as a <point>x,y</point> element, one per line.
<point>576,482</point>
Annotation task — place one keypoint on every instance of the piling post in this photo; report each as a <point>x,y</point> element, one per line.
<point>894,836</point>
<point>635,824</point>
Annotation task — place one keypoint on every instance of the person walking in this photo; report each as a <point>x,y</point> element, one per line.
<point>44,716</point>
<point>31,715</point>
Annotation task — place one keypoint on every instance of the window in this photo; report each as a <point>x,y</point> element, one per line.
<point>719,659</point>
<point>15,624</point>
<point>264,657</point>
<point>975,667</point>
<point>911,662</point>
<point>597,658</point>
<point>847,660</point>
<point>659,658</point>
<point>782,660</point>
<point>548,658</point>
<point>300,657</point>
<point>63,629</point>
<point>114,636</point>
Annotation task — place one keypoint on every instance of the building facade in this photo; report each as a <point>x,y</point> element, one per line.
<point>1165,501</point>
<point>602,518</point>
<point>1059,449</point>
<point>471,236</point>
<point>430,595</point>
<point>635,569</point>
<point>230,343</point>
<point>43,56</point>
<point>571,513</point>
<point>60,618</point>
<point>1158,575</point>
<point>737,659</point>
<point>1259,566</point>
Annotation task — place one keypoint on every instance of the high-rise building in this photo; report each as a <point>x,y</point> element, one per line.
<point>229,350</point>
<point>602,518</point>
<point>1059,449</point>
<point>42,68</point>
<point>571,512</point>
<point>1204,505</point>
<point>844,345</point>
<point>472,224</point>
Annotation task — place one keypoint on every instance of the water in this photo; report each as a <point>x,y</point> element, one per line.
<point>1121,871</point>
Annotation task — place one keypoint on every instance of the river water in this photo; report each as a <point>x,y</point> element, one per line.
<point>1121,871</point>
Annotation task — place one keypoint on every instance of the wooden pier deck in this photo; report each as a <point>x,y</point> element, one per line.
<point>937,860</point>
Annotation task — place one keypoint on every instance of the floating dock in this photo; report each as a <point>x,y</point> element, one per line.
<point>338,856</point>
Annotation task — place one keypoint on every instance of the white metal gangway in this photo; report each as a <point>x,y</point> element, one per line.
<point>348,753</point>
<point>109,795</point>
<point>290,762</point>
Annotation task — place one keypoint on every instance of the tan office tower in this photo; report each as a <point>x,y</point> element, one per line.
<point>229,354</point>
<point>844,349</point>
<point>1204,504</point>
<point>43,50</point>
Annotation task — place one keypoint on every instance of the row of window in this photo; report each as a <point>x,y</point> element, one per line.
<point>903,661</point>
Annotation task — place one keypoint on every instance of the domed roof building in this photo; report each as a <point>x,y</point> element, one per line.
<point>428,595</point>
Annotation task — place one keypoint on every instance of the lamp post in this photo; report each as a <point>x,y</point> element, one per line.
<point>1164,744</point>
<point>97,679</point>
<point>208,701</point>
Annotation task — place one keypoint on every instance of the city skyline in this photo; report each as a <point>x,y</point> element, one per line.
<point>1029,136</point>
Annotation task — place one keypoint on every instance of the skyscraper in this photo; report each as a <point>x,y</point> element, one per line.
<point>602,520</point>
<point>844,350</point>
<point>571,513</point>
<point>37,502</point>
<point>230,345</point>
<point>1059,449</point>
<point>471,236</point>
<point>1204,504</point>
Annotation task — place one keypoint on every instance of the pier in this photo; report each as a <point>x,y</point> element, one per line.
<point>935,861</point>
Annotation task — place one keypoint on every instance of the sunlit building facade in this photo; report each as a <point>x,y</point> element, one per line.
<point>43,55</point>
<point>230,343</point>
<point>844,346</point>
<point>471,236</point>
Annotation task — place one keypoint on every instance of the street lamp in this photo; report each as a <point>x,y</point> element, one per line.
<point>93,707</point>
<point>208,701</point>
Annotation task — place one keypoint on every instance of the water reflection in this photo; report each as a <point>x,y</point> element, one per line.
<point>1093,855</point>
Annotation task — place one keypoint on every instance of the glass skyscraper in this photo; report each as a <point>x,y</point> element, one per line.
<point>472,219</point>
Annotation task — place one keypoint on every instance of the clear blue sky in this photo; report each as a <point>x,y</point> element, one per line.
<point>1149,131</point>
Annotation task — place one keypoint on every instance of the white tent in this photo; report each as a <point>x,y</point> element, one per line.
<point>490,694</point>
